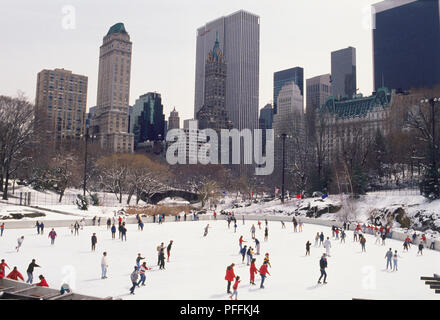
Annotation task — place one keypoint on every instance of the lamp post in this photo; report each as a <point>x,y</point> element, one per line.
<point>283,136</point>
<point>87,136</point>
<point>432,102</point>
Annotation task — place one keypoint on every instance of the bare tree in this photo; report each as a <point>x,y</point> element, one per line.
<point>16,131</point>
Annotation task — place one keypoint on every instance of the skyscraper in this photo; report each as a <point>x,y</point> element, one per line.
<point>281,78</point>
<point>60,104</point>
<point>265,122</point>
<point>343,77</point>
<point>111,119</point>
<point>289,120</point>
<point>318,90</point>
<point>406,44</point>
<point>173,120</point>
<point>147,120</point>
<point>238,35</point>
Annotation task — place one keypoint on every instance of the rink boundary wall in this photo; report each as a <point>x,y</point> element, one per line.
<point>27,224</point>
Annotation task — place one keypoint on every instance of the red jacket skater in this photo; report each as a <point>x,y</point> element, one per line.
<point>235,286</point>
<point>15,274</point>
<point>43,283</point>
<point>253,270</point>
<point>2,269</point>
<point>263,270</point>
<point>230,275</point>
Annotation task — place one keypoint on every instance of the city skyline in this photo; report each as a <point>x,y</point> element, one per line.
<point>160,51</point>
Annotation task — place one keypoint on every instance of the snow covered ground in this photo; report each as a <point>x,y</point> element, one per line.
<point>198,264</point>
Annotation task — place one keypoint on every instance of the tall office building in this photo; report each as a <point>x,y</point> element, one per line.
<point>406,44</point>
<point>289,120</point>
<point>343,77</point>
<point>60,104</point>
<point>281,78</point>
<point>111,121</point>
<point>318,90</point>
<point>147,121</point>
<point>265,122</point>
<point>173,120</point>
<point>238,35</point>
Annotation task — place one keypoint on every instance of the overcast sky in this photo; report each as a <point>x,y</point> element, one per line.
<point>40,34</point>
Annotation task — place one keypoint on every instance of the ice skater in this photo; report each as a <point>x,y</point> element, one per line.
<point>134,279</point>
<point>169,250</point>
<point>321,239</point>
<point>263,274</point>
<point>3,266</point>
<point>243,253</point>
<point>322,267</point>
<point>230,276</point>
<point>94,240</point>
<point>420,248</point>
<point>257,246</point>
<point>30,271</point>
<point>19,243</point>
<point>343,235</point>
<point>52,236</point>
<point>395,256</point>
<point>249,255</point>
<point>113,230</point>
<point>138,260</point>
<point>240,243</point>
<point>283,225</point>
<point>316,239</point>
<point>308,244</point>
<point>253,271</point>
<point>253,231</point>
<point>142,272</point>
<point>327,246</point>
<point>206,230</point>
<point>266,234</point>
<point>362,240</point>
<point>389,257</point>
<point>235,288</point>
<point>162,259</point>
<point>104,265</point>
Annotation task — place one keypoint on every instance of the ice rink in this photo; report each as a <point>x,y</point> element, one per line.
<point>197,266</point>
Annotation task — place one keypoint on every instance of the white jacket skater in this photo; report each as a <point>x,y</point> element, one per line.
<point>327,246</point>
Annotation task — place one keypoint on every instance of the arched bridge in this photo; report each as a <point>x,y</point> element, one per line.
<point>191,197</point>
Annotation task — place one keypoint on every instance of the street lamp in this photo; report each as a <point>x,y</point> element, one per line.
<point>87,136</point>
<point>283,136</point>
<point>432,102</point>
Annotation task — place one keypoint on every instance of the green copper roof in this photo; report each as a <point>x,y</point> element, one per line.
<point>358,107</point>
<point>117,28</point>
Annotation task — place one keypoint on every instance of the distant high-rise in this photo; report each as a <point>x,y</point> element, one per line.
<point>111,119</point>
<point>147,119</point>
<point>238,37</point>
<point>406,44</point>
<point>173,120</point>
<point>60,104</point>
<point>281,78</point>
<point>289,120</point>
<point>265,122</point>
<point>343,77</point>
<point>318,90</point>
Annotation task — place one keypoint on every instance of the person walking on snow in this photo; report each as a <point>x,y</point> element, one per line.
<point>19,243</point>
<point>253,270</point>
<point>263,274</point>
<point>389,256</point>
<point>229,277</point>
<point>322,267</point>
<point>104,266</point>
<point>30,271</point>
<point>52,236</point>
<point>235,287</point>
<point>327,246</point>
